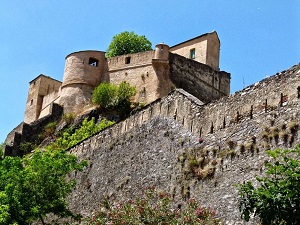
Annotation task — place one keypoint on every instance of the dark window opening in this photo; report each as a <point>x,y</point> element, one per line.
<point>31,101</point>
<point>192,53</point>
<point>93,62</point>
<point>127,60</point>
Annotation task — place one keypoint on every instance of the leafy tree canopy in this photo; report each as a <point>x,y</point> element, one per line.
<point>127,43</point>
<point>35,185</point>
<point>276,199</point>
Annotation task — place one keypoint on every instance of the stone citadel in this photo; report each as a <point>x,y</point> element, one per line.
<point>196,120</point>
<point>153,73</point>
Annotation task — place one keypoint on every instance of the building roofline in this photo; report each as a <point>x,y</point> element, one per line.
<point>42,75</point>
<point>202,35</point>
<point>84,51</point>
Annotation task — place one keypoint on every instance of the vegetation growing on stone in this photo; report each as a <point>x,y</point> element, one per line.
<point>68,118</point>
<point>71,137</point>
<point>114,97</point>
<point>155,207</point>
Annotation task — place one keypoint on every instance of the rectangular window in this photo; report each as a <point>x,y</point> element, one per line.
<point>192,53</point>
<point>127,60</point>
<point>93,62</point>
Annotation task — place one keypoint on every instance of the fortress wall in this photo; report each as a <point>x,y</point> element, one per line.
<point>84,67</point>
<point>277,91</point>
<point>151,80</point>
<point>143,78</point>
<point>206,120</point>
<point>38,89</point>
<point>144,149</point>
<point>166,107</point>
<point>48,99</point>
<point>136,59</point>
<point>200,53</point>
<point>199,79</point>
<point>213,57</point>
<point>206,49</point>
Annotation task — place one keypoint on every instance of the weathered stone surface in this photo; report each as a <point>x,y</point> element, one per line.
<point>146,148</point>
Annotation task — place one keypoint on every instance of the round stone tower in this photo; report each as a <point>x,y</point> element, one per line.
<point>162,51</point>
<point>83,72</point>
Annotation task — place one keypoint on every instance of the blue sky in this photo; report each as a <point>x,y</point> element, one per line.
<point>258,38</point>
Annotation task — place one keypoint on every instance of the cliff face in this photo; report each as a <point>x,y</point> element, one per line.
<point>155,146</point>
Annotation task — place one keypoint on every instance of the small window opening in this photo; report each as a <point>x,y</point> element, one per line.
<point>31,101</point>
<point>93,62</point>
<point>127,60</point>
<point>192,53</point>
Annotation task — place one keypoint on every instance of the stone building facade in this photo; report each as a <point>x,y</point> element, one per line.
<point>192,65</point>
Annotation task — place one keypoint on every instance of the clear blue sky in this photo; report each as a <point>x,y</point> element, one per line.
<point>258,38</point>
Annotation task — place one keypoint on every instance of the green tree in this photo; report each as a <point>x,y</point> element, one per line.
<point>124,93</point>
<point>276,199</point>
<point>35,185</point>
<point>2,145</point>
<point>127,43</point>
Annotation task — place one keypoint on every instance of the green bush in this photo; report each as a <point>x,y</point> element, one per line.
<point>105,95</point>
<point>113,97</point>
<point>69,118</point>
<point>276,199</point>
<point>26,147</point>
<point>71,137</point>
<point>2,146</point>
<point>49,129</point>
<point>124,93</point>
<point>153,208</point>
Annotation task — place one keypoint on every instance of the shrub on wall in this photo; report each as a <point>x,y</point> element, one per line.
<point>114,97</point>
<point>104,95</point>
<point>153,208</point>
<point>71,137</point>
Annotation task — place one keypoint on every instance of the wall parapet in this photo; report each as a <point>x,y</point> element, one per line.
<point>146,147</point>
<point>130,60</point>
<point>199,79</point>
<point>203,119</point>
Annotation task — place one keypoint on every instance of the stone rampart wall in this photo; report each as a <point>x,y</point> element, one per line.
<point>136,59</point>
<point>227,112</point>
<point>199,79</point>
<point>147,148</point>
